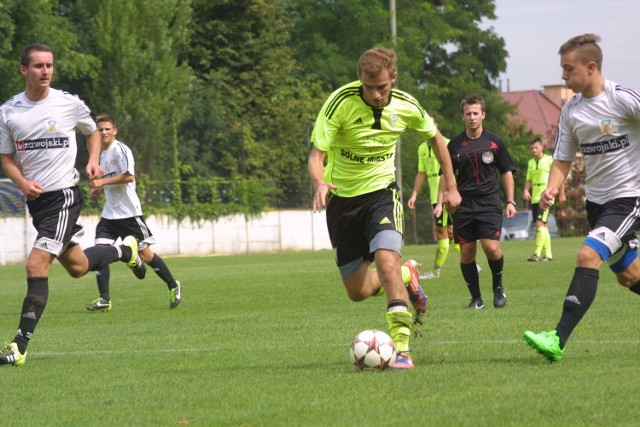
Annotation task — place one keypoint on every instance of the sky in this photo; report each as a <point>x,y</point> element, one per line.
<point>534,30</point>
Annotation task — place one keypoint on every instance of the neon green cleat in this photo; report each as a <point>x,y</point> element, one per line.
<point>100,304</point>
<point>10,355</point>
<point>135,264</point>
<point>545,343</point>
<point>175,295</point>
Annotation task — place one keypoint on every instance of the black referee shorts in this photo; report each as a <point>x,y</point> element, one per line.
<point>478,218</point>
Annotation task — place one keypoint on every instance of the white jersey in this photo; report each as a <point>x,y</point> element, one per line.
<point>42,135</point>
<point>606,130</point>
<point>122,199</point>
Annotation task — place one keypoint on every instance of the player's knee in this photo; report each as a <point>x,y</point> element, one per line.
<point>76,274</point>
<point>587,257</point>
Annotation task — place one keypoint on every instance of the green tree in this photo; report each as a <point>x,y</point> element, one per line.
<point>240,52</point>
<point>140,75</point>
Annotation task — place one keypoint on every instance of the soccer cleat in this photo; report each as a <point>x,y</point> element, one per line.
<point>435,274</point>
<point>175,295</point>
<point>403,361</point>
<point>135,264</point>
<point>475,304</point>
<point>534,258</point>
<point>100,304</point>
<point>545,259</point>
<point>499,297</point>
<point>417,296</point>
<point>10,355</point>
<point>545,343</point>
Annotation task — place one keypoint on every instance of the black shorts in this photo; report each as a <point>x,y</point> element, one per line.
<point>478,218</point>
<point>621,216</point>
<point>354,221</point>
<point>109,230</point>
<point>444,220</point>
<point>539,214</point>
<point>55,215</point>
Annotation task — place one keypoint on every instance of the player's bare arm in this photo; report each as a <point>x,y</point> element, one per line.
<point>452,198</point>
<point>322,188</point>
<point>93,168</point>
<point>420,177</point>
<point>122,178</point>
<point>509,187</point>
<point>437,210</point>
<point>526,195</point>
<point>559,172</point>
<point>30,189</point>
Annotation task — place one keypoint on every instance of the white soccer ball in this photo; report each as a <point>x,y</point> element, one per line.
<point>372,349</point>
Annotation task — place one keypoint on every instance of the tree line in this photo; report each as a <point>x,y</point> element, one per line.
<point>217,98</point>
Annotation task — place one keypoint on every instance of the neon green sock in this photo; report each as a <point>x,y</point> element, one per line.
<point>380,292</point>
<point>406,274</point>
<point>441,253</point>
<point>546,248</point>
<point>539,240</point>
<point>399,325</point>
<point>456,246</point>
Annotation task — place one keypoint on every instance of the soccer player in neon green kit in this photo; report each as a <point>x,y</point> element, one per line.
<point>429,170</point>
<point>356,133</point>
<point>538,170</point>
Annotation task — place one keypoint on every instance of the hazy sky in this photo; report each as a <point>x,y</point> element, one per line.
<point>534,30</point>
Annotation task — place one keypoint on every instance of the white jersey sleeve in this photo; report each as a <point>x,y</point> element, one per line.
<point>122,201</point>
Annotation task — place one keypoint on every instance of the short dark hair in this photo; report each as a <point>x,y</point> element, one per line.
<point>106,118</point>
<point>25,56</point>
<point>587,48</point>
<point>471,100</point>
<point>534,140</point>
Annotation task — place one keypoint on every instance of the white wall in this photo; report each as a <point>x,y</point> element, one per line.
<point>290,230</point>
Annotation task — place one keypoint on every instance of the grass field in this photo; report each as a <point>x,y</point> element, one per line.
<point>262,340</point>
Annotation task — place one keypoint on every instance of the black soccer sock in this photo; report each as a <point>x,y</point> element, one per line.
<point>32,308</point>
<point>470,275</point>
<point>497,268</point>
<point>162,271</point>
<point>102,278</point>
<point>101,256</point>
<point>580,295</point>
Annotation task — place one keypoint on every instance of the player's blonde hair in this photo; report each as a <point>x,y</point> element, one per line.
<point>586,47</point>
<point>373,61</point>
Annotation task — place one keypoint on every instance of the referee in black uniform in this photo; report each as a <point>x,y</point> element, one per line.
<point>476,155</point>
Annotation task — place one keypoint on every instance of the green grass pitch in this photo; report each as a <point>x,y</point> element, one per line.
<point>262,340</point>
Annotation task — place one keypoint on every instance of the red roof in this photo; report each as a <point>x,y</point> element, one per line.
<point>537,111</point>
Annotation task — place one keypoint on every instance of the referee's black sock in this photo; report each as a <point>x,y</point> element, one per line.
<point>496,268</point>
<point>580,295</point>
<point>471,278</point>
<point>32,308</point>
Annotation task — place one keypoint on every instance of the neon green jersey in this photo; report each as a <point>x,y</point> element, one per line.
<point>360,140</point>
<point>429,165</point>
<point>538,173</point>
